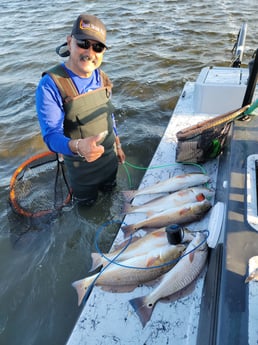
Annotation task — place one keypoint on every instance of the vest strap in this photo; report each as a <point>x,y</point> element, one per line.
<point>63,82</point>
<point>66,85</point>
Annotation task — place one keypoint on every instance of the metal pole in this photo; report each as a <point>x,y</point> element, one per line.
<point>252,80</point>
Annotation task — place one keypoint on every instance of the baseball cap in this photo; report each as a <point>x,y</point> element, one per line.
<point>89,27</point>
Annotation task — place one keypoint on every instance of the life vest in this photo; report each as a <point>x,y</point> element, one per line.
<point>86,114</point>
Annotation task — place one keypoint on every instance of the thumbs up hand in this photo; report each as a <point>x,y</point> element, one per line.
<point>89,148</point>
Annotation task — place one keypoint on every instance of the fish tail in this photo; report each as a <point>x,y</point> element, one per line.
<point>96,261</point>
<point>141,308</point>
<point>128,208</point>
<point>81,287</point>
<point>129,195</point>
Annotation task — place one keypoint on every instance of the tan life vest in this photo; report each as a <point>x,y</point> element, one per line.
<point>87,114</point>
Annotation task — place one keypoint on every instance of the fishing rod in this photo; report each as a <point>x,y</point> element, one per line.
<point>252,80</point>
<point>238,48</point>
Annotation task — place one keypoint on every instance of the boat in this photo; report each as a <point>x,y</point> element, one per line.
<point>221,308</point>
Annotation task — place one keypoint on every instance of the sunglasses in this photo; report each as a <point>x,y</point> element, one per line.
<point>85,44</point>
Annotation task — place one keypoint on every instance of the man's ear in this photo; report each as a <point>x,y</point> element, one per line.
<point>69,40</point>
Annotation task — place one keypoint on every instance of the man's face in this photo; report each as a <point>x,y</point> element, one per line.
<point>83,61</point>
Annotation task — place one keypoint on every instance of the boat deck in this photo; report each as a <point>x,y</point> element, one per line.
<point>218,302</point>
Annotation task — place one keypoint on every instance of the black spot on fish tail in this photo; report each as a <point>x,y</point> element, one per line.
<point>127,208</point>
<point>81,290</point>
<point>88,292</point>
<point>143,310</point>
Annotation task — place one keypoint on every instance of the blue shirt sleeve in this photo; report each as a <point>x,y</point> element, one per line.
<point>50,112</point>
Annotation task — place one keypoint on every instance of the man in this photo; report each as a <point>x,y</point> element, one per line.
<point>76,115</point>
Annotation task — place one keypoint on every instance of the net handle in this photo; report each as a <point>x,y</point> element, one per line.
<point>197,129</point>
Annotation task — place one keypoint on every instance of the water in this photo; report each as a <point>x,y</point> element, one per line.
<point>156,46</point>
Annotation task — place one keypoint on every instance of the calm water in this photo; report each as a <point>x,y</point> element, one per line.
<point>156,46</point>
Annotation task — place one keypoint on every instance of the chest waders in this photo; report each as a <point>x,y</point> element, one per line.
<point>87,115</point>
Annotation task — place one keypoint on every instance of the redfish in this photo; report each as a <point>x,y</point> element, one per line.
<point>185,214</point>
<point>175,199</point>
<point>136,270</point>
<point>138,246</point>
<point>180,276</point>
<point>172,184</point>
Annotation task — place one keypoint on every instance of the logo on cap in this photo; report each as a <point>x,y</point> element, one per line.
<point>91,27</point>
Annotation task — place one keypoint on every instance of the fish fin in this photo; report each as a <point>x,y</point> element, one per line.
<point>155,198</point>
<point>191,257</point>
<point>151,261</point>
<point>159,233</point>
<point>96,261</point>
<point>128,229</point>
<point>81,286</point>
<point>184,211</point>
<point>123,244</point>
<point>143,310</point>
<point>129,195</point>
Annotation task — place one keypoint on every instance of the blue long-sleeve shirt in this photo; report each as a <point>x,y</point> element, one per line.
<point>50,109</point>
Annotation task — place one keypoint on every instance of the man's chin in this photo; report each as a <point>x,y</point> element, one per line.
<point>88,69</point>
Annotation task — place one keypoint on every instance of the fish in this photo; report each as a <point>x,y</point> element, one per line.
<point>170,185</point>
<point>252,276</point>
<point>180,215</point>
<point>136,270</point>
<point>175,199</point>
<point>176,279</point>
<point>140,246</point>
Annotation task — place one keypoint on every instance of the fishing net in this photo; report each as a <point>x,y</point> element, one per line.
<point>205,140</point>
<point>39,186</point>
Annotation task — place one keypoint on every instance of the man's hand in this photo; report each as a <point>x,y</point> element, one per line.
<point>89,148</point>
